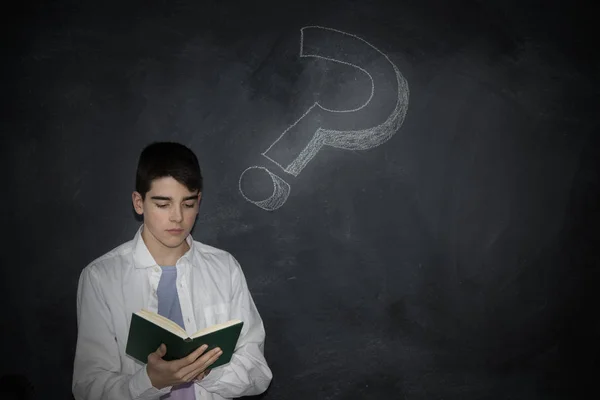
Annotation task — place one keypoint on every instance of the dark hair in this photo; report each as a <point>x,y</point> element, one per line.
<point>162,159</point>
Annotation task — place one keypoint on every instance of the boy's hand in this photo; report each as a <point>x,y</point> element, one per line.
<point>170,373</point>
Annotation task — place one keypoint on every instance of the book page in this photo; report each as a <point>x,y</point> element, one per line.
<point>163,322</point>
<point>215,328</point>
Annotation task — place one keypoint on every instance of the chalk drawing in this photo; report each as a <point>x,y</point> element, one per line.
<point>281,191</point>
<point>291,158</point>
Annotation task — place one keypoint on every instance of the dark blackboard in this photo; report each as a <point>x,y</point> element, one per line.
<point>428,230</point>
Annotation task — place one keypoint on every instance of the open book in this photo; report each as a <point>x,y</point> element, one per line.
<point>148,330</point>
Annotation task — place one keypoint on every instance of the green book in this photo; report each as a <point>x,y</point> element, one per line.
<point>148,330</point>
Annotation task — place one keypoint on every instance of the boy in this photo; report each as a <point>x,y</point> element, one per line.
<point>164,270</point>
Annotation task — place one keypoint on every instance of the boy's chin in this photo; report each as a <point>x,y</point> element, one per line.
<point>173,244</point>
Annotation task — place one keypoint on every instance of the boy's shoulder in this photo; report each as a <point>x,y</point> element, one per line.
<point>114,257</point>
<point>212,253</point>
<point>204,248</point>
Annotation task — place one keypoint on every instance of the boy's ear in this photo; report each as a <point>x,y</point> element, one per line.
<point>138,202</point>
<point>199,202</point>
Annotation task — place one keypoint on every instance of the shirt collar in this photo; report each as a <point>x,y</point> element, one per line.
<point>142,257</point>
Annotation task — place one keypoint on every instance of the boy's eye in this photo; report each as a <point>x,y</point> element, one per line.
<point>186,205</point>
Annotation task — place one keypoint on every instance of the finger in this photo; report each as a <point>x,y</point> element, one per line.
<point>202,375</point>
<point>196,353</point>
<point>197,375</point>
<point>192,357</point>
<point>201,364</point>
<point>194,376</point>
<point>189,359</point>
<point>211,357</point>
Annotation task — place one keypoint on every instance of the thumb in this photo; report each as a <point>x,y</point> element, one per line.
<point>161,351</point>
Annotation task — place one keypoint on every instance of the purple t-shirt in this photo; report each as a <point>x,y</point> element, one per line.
<point>168,306</point>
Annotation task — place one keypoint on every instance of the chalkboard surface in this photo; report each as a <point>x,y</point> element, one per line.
<point>411,187</point>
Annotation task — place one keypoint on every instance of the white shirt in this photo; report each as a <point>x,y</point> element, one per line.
<point>212,289</point>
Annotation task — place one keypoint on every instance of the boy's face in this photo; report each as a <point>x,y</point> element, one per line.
<point>169,211</point>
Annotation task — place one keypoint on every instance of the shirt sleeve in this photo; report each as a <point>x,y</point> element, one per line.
<point>96,372</point>
<point>248,373</point>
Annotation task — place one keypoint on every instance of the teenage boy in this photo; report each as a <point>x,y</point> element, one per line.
<point>164,270</point>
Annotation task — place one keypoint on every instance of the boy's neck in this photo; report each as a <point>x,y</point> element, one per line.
<point>164,256</point>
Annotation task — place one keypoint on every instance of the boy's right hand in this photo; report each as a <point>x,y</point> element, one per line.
<point>170,373</point>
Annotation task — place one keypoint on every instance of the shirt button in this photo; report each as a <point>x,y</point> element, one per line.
<point>156,269</point>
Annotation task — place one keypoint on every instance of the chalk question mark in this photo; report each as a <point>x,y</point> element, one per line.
<point>313,129</point>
